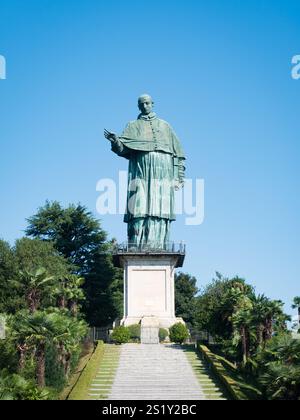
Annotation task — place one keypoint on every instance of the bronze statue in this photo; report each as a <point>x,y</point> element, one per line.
<point>156,168</point>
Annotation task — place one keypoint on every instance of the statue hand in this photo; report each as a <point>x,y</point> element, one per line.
<point>110,136</point>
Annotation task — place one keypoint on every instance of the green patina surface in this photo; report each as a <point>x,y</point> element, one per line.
<point>156,168</point>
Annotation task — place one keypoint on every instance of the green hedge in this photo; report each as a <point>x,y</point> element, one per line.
<point>120,335</point>
<point>178,333</point>
<point>135,332</point>
<point>227,373</point>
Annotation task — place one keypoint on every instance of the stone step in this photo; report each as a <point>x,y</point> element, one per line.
<point>153,372</point>
<point>160,372</point>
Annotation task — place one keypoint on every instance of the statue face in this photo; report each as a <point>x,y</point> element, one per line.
<point>145,105</point>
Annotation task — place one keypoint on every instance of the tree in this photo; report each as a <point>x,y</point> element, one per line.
<point>35,285</point>
<point>36,329</point>
<point>78,236</point>
<point>68,292</point>
<point>104,290</point>
<point>274,311</point>
<point>185,297</point>
<point>242,321</point>
<point>279,368</point>
<point>268,316</point>
<point>10,299</point>
<point>14,387</point>
<point>75,233</point>
<point>68,333</point>
<point>216,305</point>
<point>32,254</point>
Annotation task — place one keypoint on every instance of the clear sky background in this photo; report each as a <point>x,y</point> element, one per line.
<point>219,72</point>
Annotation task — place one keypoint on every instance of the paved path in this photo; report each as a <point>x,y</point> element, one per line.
<point>155,372</point>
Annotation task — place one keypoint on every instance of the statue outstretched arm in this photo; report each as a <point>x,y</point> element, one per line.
<point>116,145</point>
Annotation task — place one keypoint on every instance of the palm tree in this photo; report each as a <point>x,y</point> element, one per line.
<point>35,284</point>
<point>33,330</point>
<point>273,312</point>
<point>69,332</point>
<point>242,321</point>
<point>296,305</point>
<point>260,313</point>
<point>279,368</point>
<point>69,292</point>
<point>15,387</point>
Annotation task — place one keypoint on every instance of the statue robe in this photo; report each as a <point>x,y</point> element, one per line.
<point>156,165</point>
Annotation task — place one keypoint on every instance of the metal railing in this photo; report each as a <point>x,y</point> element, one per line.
<point>97,333</point>
<point>150,247</point>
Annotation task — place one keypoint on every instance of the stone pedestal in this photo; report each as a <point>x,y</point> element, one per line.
<point>149,286</point>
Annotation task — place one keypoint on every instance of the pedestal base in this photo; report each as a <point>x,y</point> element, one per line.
<point>163,322</point>
<point>150,330</point>
<point>149,289</point>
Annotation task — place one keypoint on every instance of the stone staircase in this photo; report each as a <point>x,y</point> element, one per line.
<point>211,388</point>
<point>159,372</point>
<point>102,382</point>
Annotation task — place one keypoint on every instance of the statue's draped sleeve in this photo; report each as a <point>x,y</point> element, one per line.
<point>179,157</point>
<point>120,149</point>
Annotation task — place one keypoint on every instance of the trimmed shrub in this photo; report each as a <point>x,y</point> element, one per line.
<point>178,333</point>
<point>120,335</point>
<point>163,334</point>
<point>135,332</point>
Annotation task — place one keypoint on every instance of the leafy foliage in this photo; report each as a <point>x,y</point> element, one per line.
<point>185,297</point>
<point>178,333</point>
<point>32,332</point>
<point>74,232</point>
<point>238,319</point>
<point>120,335</point>
<point>32,254</point>
<point>10,300</point>
<point>14,387</point>
<point>78,237</point>
<point>135,332</point>
<point>279,368</point>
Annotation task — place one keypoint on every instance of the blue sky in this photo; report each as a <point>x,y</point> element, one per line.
<point>219,72</point>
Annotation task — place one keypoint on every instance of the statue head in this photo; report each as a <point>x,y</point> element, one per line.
<point>145,104</point>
